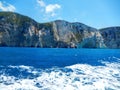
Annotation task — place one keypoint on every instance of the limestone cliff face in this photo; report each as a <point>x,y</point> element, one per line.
<point>111,37</point>
<point>77,35</point>
<point>20,31</point>
<point>17,30</point>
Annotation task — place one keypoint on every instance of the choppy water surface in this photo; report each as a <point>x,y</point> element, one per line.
<point>59,69</point>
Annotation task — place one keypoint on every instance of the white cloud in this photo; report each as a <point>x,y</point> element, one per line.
<point>49,9</point>
<point>41,3</point>
<point>52,7</point>
<point>7,7</point>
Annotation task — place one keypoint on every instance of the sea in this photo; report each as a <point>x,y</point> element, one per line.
<point>59,69</point>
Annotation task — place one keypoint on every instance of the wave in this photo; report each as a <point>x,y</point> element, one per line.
<point>74,77</point>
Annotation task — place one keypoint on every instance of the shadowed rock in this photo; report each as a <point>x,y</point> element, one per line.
<point>21,31</point>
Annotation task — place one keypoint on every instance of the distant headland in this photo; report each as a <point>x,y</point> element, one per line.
<point>21,31</point>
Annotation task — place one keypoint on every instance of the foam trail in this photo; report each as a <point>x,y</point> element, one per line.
<point>74,77</point>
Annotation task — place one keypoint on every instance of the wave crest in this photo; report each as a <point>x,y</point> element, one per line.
<point>74,77</point>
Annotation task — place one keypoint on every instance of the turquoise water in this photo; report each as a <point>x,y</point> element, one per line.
<point>59,69</point>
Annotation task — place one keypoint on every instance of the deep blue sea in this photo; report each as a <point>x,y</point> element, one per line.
<point>59,69</point>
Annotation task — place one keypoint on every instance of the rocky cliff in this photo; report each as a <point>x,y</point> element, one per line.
<point>21,31</point>
<point>111,37</point>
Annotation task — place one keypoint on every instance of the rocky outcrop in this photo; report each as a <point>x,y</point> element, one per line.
<point>111,37</point>
<point>17,30</point>
<point>77,35</point>
<point>20,31</point>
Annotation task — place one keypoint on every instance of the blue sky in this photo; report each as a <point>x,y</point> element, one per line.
<point>95,13</point>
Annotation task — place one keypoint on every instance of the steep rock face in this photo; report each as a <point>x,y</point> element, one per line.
<point>21,31</point>
<point>17,30</point>
<point>77,35</point>
<point>111,37</point>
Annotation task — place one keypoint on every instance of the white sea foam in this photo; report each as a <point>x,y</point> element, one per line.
<point>20,66</point>
<point>77,77</point>
<point>28,69</point>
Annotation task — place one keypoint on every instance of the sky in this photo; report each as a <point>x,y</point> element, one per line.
<point>95,13</point>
